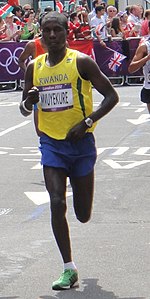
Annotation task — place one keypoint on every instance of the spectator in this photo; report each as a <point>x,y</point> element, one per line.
<point>3,28</point>
<point>98,18</point>
<point>18,13</point>
<point>30,29</point>
<point>12,32</point>
<point>128,27</point>
<point>84,30</point>
<point>99,24</point>
<point>92,14</point>
<point>73,24</point>
<point>116,28</point>
<point>111,13</point>
<point>144,27</point>
<point>135,18</point>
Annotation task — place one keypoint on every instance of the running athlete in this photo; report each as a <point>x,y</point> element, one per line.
<point>141,59</point>
<point>60,81</point>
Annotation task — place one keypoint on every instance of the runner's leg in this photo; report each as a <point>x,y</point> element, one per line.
<point>83,196</point>
<point>55,181</point>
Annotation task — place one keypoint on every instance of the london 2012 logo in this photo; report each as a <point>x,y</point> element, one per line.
<point>9,60</point>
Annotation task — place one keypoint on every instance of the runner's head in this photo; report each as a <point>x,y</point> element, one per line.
<point>54,31</point>
<point>55,16</point>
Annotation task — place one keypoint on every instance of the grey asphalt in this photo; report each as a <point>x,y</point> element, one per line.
<point>112,251</point>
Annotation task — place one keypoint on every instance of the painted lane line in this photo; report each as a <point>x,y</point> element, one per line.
<point>15,127</point>
<point>142,119</point>
<point>129,164</point>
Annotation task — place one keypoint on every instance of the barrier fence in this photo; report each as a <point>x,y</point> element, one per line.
<point>10,71</point>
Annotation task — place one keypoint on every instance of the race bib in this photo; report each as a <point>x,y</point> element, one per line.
<point>56,97</point>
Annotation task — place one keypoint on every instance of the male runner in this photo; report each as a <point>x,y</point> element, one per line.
<point>60,81</point>
<point>142,59</point>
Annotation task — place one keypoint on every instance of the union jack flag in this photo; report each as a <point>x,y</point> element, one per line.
<point>116,61</point>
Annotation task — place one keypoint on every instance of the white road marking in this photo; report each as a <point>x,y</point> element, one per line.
<point>4,211</point>
<point>129,164</point>
<point>142,119</point>
<point>117,150</point>
<point>15,127</point>
<point>142,151</point>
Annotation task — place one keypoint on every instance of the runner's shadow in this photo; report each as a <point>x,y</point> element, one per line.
<point>91,291</point>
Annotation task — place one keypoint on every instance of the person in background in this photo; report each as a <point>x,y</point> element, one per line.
<point>140,60</point>
<point>93,13</point>
<point>128,27</point>
<point>12,32</point>
<point>67,125</point>
<point>3,28</point>
<point>18,14</point>
<point>144,26</point>
<point>30,30</point>
<point>116,28</point>
<point>98,18</point>
<point>84,29</point>
<point>135,18</point>
<point>111,13</point>
<point>98,25</point>
<point>73,24</point>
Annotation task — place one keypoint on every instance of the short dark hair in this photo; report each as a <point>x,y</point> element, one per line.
<point>99,8</point>
<point>59,17</point>
<point>94,3</point>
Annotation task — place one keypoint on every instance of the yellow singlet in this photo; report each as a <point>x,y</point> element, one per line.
<point>65,98</point>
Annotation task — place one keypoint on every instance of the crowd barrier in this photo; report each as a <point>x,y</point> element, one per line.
<point>10,52</point>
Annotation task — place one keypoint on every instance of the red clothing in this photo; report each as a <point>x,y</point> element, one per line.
<point>72,28</point>
<point>39,50</point>
<point>144,28</point>
<point>127,30</point>
<point>13,2</point>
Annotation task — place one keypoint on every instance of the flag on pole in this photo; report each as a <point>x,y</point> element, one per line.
<point>116,61</point>
<point>5,10</point>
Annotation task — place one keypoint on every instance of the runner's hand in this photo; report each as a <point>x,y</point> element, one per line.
<point>33,95</point>
<point>77,132</point>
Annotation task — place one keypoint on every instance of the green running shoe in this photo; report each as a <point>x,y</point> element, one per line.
<point>68,279</point>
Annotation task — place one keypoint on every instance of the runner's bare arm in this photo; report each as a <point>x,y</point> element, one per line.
<point>30,93</point>
<point>139,59</point>
<point>89,70</point>
<point>28,51</point>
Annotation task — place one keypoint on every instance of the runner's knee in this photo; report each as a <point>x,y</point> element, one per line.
<point>58,205</point>
<point>83,217</point>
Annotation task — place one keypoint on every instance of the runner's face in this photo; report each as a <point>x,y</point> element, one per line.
<point>54,35</point>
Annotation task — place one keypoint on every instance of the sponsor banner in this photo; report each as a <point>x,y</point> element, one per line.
<point>10,52</point>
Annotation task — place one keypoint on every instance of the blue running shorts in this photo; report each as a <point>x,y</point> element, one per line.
<point>77,158</point>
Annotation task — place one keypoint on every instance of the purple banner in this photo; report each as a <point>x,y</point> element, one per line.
<point>125,47</point>
<point>10,52</point>
<point>9,68</point>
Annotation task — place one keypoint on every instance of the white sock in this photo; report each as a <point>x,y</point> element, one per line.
<point>70,265</point>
